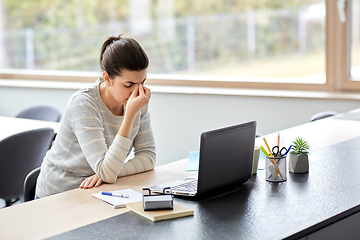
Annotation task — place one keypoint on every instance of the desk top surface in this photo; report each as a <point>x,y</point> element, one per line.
<point>257,209</point>
<point>63,212</point>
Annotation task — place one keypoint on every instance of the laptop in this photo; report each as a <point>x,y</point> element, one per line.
<point>226,158</point>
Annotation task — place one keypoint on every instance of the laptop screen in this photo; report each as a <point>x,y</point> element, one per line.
<point>226,156</point>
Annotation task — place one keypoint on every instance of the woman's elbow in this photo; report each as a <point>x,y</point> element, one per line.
<point>148,159</point>
<point>152,161</point>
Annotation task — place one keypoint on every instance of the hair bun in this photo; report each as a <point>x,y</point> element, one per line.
<point>106,44</point>
<point>125,54</point>
<point>114,39</point>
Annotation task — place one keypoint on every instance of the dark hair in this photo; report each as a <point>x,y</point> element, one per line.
<point>118,53</point>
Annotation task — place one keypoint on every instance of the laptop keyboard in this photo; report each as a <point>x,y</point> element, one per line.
<point>188,186</point>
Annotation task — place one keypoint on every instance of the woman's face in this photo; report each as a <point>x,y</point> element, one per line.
<point>121,87</point>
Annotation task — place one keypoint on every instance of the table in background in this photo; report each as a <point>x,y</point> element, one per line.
<point>12,125</point>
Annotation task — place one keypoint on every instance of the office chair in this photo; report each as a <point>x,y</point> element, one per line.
<point>45,111</point>
<point>322,115</point>
<point>20,154</point>
<point>30,185</point>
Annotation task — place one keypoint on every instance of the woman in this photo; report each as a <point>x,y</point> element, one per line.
<point>102,124</point>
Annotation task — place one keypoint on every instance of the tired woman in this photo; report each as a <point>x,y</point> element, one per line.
<point>102,124</point>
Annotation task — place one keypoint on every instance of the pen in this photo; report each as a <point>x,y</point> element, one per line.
<point>287,151</point>
<point>115,194</point>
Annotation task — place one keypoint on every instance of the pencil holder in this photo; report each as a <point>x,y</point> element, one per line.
<point>275,169</point>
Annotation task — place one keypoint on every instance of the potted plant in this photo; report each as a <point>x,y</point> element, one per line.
<point>298,160</point>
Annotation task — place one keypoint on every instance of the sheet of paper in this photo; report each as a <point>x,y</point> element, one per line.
<point>118,202</point>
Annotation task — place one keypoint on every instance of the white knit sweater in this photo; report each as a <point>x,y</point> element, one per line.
<point>87,142</point>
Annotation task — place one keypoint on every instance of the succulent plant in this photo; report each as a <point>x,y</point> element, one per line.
<point>300,147</point>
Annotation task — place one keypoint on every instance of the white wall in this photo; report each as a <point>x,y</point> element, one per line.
<point>178,119</point>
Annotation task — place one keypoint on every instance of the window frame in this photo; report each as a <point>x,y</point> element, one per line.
<point>337,67</point>
<point>346,83</point>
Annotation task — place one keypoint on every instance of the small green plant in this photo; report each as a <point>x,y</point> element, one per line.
<point>300,147</point>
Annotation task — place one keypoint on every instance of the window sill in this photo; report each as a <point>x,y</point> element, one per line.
<point>64,85</point>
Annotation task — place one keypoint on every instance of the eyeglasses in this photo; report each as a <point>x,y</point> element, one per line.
<point>147,192</point>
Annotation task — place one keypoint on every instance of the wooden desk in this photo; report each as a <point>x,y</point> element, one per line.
<point>11,125</point>
<point>60,213</point>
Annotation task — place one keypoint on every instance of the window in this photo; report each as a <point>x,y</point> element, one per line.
<point>252,44</point>
<point>343,45</point>
<point>355,40</point>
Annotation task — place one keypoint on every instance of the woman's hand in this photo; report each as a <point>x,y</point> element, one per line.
<point>139,98</point>
<point>91,181</point>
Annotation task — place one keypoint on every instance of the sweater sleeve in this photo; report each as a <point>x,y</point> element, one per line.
<point>106,161</point>
<point>144,148</point>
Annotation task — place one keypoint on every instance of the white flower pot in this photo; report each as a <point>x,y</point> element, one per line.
<point>298,163</point>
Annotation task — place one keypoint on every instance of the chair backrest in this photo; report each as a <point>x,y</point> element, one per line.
<point>322,115</point>
<point>20,154</point>
<point>46,112</point>
<point>30,184</point>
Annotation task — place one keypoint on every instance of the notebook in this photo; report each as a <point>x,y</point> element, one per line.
<point>178,211</point>
<point>226,158</point>
<point>119,202</point>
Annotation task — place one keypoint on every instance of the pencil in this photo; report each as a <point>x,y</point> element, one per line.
<point>268,147</point>
<point>279,140</point>
<point>272,160</point>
